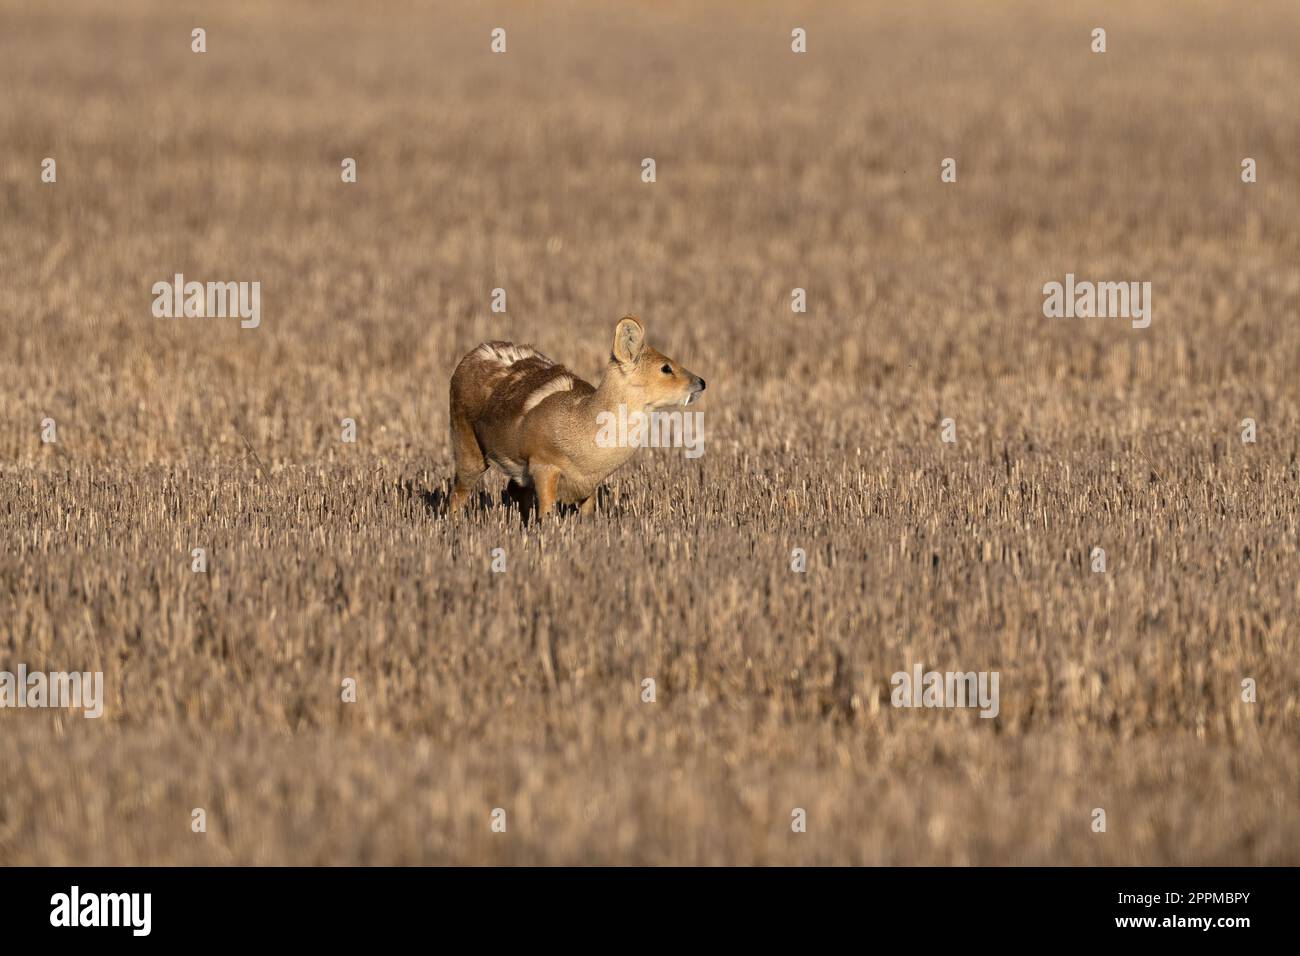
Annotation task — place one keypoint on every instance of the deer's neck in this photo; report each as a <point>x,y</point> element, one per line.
<point>606,414</point>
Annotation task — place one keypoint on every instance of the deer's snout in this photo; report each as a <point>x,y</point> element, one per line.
<point>697,386</point>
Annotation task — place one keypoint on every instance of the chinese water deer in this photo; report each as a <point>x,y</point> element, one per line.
<point>538,422</point>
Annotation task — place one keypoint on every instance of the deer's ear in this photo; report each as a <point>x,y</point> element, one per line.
<point>629,340</point>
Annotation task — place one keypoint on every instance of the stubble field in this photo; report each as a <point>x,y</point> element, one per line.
<point>522,690</point>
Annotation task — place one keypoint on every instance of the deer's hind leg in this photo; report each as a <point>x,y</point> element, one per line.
<point>470,463</point>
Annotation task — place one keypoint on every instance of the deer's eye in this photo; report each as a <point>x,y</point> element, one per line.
<point>667,370</point>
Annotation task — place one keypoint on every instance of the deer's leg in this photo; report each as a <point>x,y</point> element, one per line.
<point>546,482</point>
<point>470,463</point>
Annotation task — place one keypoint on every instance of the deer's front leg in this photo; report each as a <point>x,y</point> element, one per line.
<point>546,482</point>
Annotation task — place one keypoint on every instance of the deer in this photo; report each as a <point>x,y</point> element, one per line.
<point>538,422</point>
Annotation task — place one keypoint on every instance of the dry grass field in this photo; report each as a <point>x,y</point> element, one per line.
<point>522,690</point>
